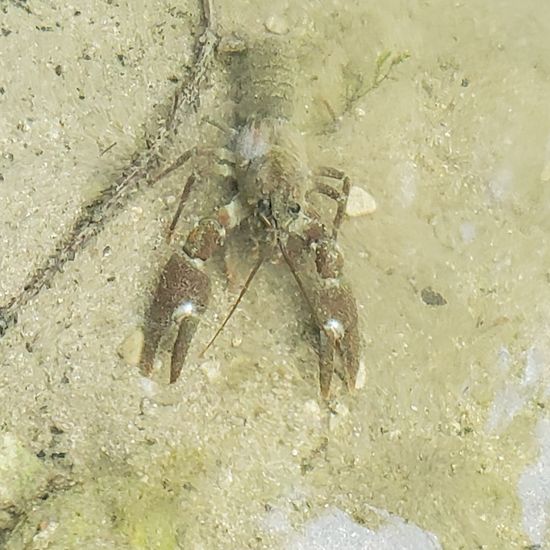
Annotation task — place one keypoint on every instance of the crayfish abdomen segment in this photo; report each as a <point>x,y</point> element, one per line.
<point>264,80</point>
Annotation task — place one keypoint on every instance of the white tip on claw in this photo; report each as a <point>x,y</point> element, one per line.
<point>335,328</point>
<point>361,379</point>
<point>185,309</point>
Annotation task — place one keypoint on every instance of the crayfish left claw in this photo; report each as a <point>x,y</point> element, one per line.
<point>182,293</point>
<point>337,316</point>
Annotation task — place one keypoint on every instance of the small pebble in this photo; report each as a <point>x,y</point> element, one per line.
<point>361,379</point>
<point>211,369</point>
<point>431,297</point>
<point>467,232</point>
<point>231,44</point>
<point>148,386</point>
<point>545,174</point>
<point>276,24</point>
<point>237,341</point>
<point>360,203</point>
<point>312,409</point>
<point>130,349</point>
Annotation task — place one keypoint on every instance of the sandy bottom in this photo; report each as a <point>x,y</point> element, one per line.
<point>450,430</point>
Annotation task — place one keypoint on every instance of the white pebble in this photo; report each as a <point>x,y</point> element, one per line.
<point>361,378</point>
<point>211,369</point>
<point>467,232</point>
<point>148,386</point>
<point>312,409</point>
<point>130,349</point>
<point>360,203</point>
<point>341,409</point>
<point>545,174</point>
<point>500,185</point>
<point>237,341</point>
<point>276,24</point>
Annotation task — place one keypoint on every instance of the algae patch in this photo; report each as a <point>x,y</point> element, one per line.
<point>144,510</point>
<point>22,478</point>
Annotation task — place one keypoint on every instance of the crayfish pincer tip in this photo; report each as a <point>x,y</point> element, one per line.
<point>334,329</point>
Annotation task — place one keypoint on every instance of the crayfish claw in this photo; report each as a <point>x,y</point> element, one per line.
<point>186,331</point>
<point>350,351</point>
<point>337,316</point>
<point>326,364</point>
<point>181,295</point>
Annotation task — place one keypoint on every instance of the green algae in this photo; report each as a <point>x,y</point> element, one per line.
<point>23,477</point>
<point>151,511</point>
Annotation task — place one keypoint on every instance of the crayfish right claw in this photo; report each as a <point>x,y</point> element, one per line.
<point>186,331</point>
<point>337,312</point>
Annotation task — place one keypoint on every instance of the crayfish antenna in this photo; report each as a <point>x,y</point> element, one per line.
<point>297,279</point>
<point>235,305</point>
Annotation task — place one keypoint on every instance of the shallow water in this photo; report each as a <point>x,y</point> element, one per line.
<point>450,430</point>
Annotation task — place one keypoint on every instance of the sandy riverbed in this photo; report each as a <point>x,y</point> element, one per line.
<point>450,273</point>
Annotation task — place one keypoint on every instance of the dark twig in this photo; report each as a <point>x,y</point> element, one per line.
<point>112,200</point>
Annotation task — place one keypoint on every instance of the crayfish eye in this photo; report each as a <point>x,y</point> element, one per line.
<point>264,207</point>
<point>294,209</point>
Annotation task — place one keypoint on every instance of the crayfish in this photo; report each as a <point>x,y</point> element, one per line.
<point>274,185</point>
